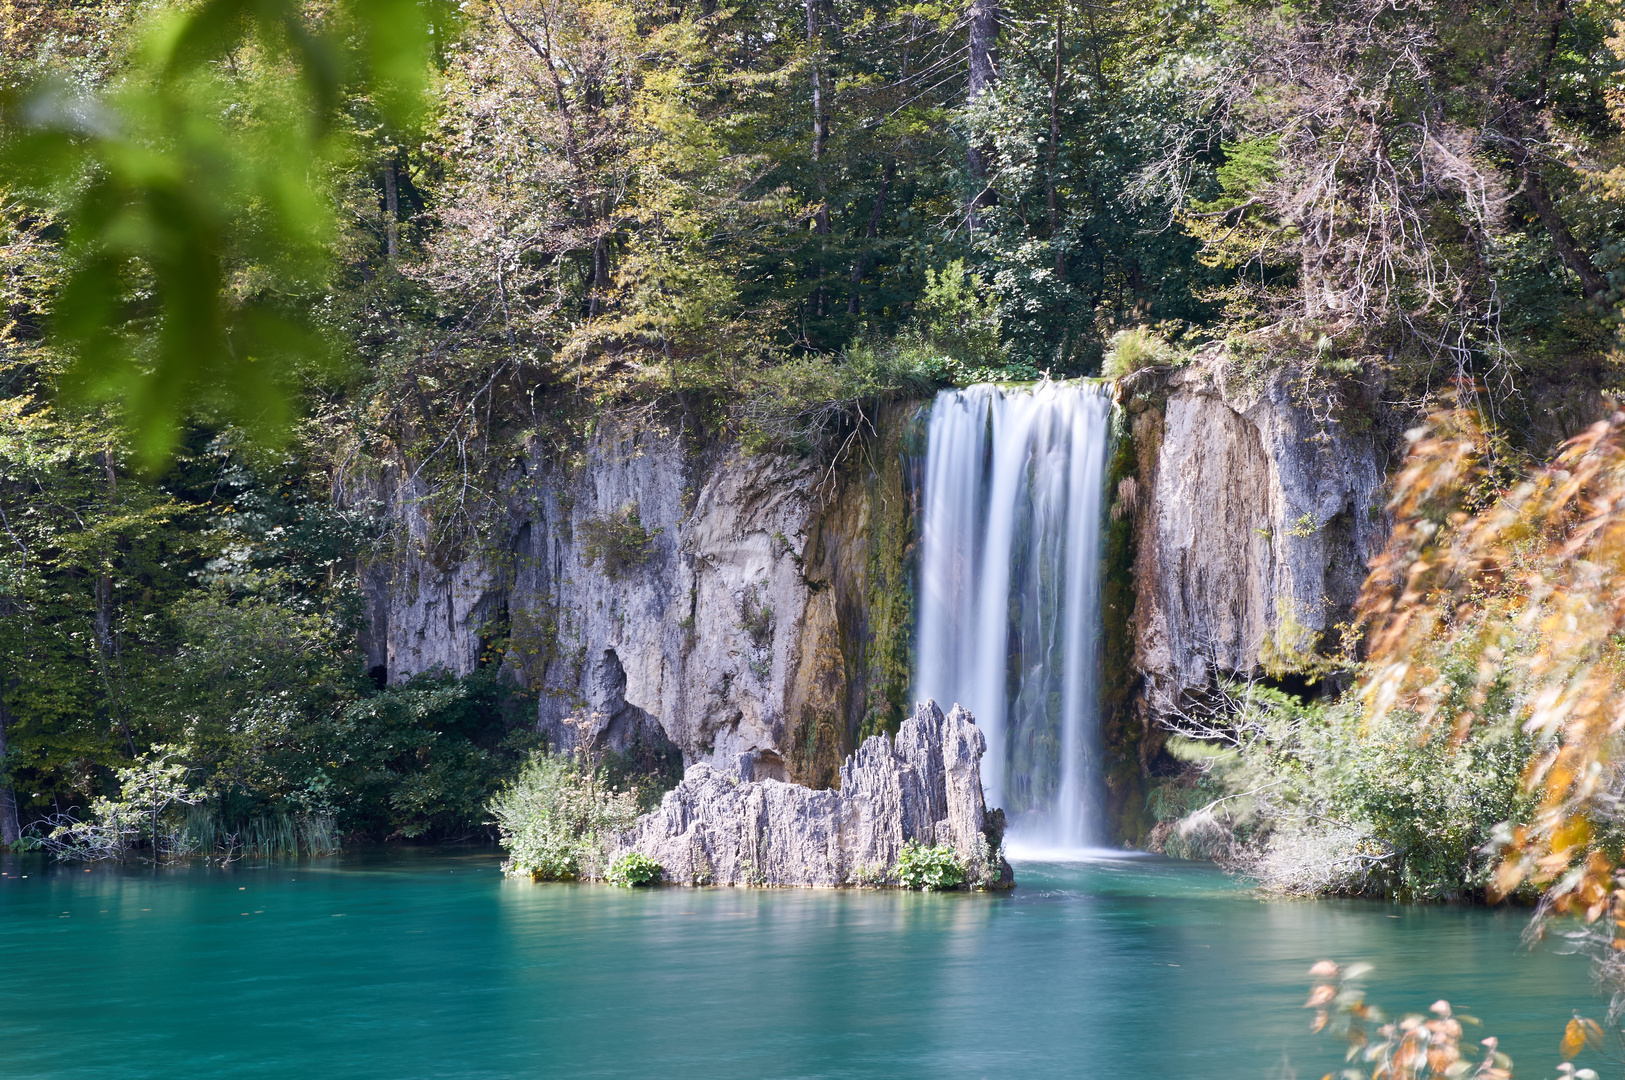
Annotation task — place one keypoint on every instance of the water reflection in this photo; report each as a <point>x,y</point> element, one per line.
<point>414,965</point>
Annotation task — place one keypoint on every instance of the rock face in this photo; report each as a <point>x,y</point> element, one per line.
<point>715,828</point>
<point>757,622</point>
<point>1255,524</point>
<point>766,625</point>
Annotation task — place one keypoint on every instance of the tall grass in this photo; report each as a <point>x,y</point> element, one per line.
<point>260,835</point>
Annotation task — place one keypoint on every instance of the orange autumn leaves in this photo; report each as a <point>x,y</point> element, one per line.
<point>1413,1047</point>
<point>1420,1046</point>
<point>1513,599</point>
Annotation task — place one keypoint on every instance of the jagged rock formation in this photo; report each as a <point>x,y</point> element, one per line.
<point>716,828</point>
<point>763,618</point>
<point>1255,523</point>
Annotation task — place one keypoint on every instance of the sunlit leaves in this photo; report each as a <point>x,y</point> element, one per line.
<point>195,196</point>
<point>1533,586</point>
<point>1416,1046</point>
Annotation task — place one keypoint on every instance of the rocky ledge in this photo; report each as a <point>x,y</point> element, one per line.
<point>923,786</point>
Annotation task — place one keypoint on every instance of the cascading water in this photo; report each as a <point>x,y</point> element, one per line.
<point>1009,607</point>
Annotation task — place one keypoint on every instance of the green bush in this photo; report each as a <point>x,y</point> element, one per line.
<point>1318,799</point>
<point>557,817</point>
<point>633,869</point>
<point>931,868</point>
<point>617,541</point>
<point>960,313</point>
<point>1133,349</point>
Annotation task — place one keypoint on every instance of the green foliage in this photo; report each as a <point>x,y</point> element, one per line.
<point>1322,799</point>
<point>232,194</point>
<point>633,869</point>
<point>617,541</point>
<point>421,759</point>
<point>929,868</point>
<point>960,315</point>
<point>1133,349</point>
<point>557,818</point>
<point>196,202</point>
<point>149,790</point>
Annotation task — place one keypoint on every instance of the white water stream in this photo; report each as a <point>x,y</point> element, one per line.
<point>1009,606</point>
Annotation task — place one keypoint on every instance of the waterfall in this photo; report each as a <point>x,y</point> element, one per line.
<point>1009,602</point>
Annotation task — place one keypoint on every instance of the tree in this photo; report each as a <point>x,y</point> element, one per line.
<point>1384,168</point>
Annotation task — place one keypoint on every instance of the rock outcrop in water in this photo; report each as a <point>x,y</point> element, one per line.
<point>924,785</point>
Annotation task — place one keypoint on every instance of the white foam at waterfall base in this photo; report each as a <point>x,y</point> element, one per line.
<point>1009,604</point>
<point>1020,851</point>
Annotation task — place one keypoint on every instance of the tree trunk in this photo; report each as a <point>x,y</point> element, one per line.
<point>1568,249</point>
<point>983,19</point>
<point>1524,118</point>
<point>10,832</point>
<point>1054,204</point>
<point>102,625</point>
<point>864,261</point>
<point>820,109</point>
<point>392,211</point>
<point>820,104</point>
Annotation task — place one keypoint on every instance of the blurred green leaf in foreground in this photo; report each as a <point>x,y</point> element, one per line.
<point>191,192</point>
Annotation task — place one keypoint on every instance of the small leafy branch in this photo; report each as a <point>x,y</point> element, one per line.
<point>1414,1047</point>
<point>617,541</point>
<point>930,868</point>
<point>1420,1046</point>
<point>148,790</point>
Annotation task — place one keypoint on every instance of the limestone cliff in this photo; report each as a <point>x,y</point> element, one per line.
<point>1254,521</point>
<point>761,613</point>
<point>924,785</point>
<point>762,620</point>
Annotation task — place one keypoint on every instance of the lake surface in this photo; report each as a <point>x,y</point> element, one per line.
<point>405,964</point>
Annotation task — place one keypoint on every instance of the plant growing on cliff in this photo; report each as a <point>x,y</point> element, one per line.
<point>932,869</point>
<point>618,542</point>
<point>634,869</point>
<point>557,817</point>
<point>1135,348</point>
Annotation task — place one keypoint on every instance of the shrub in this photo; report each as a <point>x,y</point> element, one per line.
<point>420,759</point>
<point>557,817</point>
<point>617,541</point>
<point>152,791</point>
<point>960,313</point>
<point>931,868</point>
<point>1133,349</point>
<point>1330,799</point>
<point>633,869</point>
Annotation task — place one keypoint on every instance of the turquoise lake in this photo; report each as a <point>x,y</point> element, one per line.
<point>404,964</point>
